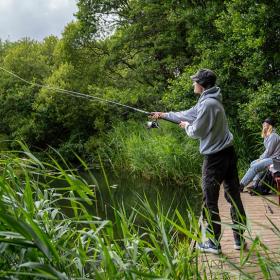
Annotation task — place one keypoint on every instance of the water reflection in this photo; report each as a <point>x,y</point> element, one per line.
<point>128,190</point>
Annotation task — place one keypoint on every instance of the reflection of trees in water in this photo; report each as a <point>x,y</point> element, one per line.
<point>130,190</point>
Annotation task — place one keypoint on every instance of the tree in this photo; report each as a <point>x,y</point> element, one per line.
<point>26,59</point>
<point>150,38</point>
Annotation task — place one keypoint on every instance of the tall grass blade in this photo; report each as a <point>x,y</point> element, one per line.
<point>48,270</point>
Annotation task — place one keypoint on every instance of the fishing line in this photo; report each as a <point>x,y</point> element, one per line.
<point>74,93</point>
<point>151,124</point>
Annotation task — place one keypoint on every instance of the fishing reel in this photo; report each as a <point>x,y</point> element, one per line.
<point>152,124</point>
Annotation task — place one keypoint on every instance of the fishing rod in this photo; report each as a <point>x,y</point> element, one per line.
<point>150,124</point>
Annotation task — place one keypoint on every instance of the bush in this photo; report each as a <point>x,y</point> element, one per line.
<point>157,153</point>
<point>263,103</point>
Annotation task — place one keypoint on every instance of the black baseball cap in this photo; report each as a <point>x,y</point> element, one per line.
<point>205,77</point>
<point>269,121</point>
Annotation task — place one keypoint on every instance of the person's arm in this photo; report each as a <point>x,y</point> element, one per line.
<point>203,123</point>
<point>182,116</point>
<point>270,146</point>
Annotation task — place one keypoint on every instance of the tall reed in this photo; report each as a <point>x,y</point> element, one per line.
<point>39,241</point>
<point>164,153</point>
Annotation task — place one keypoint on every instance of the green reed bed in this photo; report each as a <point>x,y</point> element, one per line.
<point>164,153</point>
<point>39,241</point>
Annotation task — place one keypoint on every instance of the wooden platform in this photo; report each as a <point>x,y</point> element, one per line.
<point>261,260</point>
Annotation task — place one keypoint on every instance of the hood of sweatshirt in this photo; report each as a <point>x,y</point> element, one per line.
<point>213,92</point>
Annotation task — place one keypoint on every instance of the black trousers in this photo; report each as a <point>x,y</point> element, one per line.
<point>219,168</point>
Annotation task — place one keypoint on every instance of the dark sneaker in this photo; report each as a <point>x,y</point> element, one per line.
<point>240,244</point>
<point>241,187</point>
<point>251,191</point>
<point>209,247</point>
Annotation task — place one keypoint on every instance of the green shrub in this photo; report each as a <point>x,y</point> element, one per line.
<point>263,103</point>
<point>163,153</point>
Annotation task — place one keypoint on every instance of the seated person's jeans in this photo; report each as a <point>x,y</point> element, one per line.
<point>256,167</point>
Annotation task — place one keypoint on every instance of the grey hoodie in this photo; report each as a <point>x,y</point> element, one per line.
<point>272,146</point>
<point>208,122</point>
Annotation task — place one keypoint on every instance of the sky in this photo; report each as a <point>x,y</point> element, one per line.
<point>35,19</point>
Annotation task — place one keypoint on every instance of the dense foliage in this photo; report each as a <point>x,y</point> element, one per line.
<point>141,53</point>
<point>40,239</point>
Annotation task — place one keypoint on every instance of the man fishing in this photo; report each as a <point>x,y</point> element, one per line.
<point>207,122</point>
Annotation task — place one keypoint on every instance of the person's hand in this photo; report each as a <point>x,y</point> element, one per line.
<point>156,115</point>
<point>183,124</point>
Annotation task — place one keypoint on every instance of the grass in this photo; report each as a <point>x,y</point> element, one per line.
<point>39,241</point>
<point>164,154</point>
<point>45,243</point>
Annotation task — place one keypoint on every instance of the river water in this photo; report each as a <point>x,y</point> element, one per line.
<point>128,190</point>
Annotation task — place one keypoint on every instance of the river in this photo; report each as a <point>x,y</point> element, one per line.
<point>128,190</point>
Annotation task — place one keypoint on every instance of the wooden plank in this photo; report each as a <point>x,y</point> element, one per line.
<point>261,213</point>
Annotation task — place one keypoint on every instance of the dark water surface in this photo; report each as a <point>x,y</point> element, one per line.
<point>128,190</point>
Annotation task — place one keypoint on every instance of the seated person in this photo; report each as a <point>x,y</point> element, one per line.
<point>272,151</point>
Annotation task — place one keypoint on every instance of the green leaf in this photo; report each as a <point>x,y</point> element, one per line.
<point>48,270</point>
